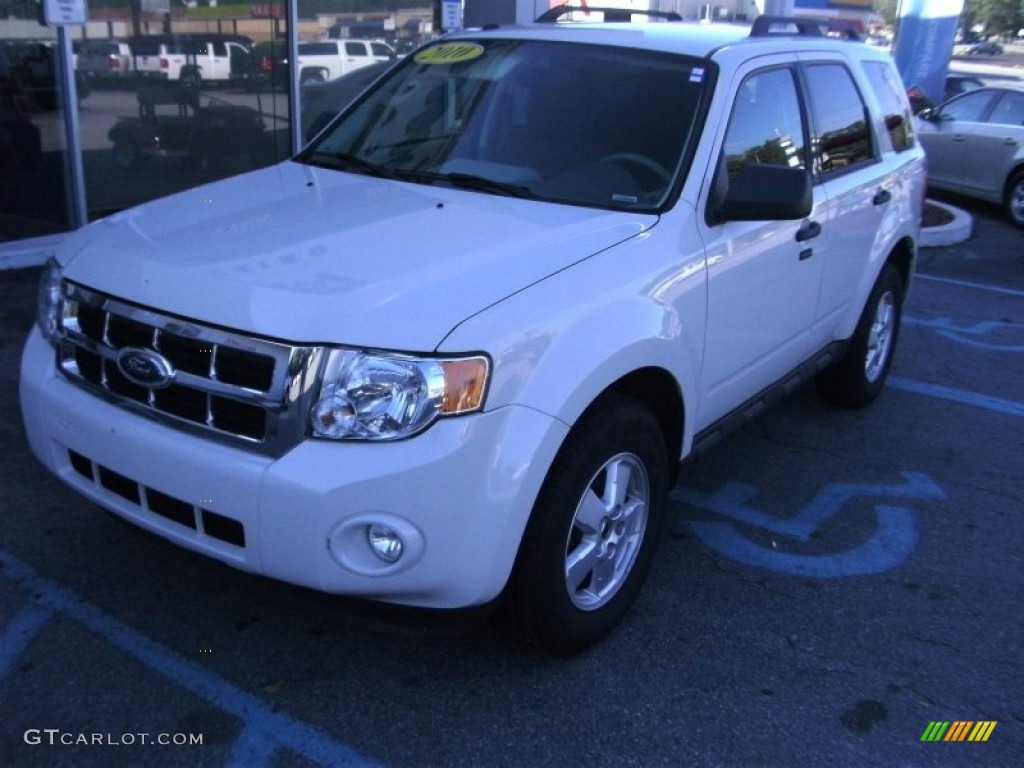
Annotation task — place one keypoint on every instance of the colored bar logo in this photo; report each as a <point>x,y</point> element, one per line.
<point>958,730</point>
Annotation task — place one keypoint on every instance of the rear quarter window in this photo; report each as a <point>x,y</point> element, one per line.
<point>888,89</point>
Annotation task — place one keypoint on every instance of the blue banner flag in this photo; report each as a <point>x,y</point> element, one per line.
<point>924,43</point>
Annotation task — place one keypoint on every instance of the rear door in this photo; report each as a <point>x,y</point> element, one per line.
<point>357,54</point>
<point>995,142</point>
<point>948,137</point>
<point>849,168</point>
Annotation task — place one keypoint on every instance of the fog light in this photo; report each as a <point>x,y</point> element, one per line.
<point>385,542</point>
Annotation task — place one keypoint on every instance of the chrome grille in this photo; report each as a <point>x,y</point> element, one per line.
<point>248,391</point>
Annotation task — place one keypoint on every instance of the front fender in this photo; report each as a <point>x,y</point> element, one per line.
<point>559,344</point>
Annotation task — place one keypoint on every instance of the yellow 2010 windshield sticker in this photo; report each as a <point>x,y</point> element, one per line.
<point>449,53</point>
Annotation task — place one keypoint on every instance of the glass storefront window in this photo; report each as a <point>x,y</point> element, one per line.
<point>176,94</point>
<point>33,156</point>
<point>179,99</point>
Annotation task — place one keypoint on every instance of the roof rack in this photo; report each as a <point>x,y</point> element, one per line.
<point>610,14</point>
<point>768,26</point>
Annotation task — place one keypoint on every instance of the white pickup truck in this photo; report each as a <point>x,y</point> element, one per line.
<point>329,59</point>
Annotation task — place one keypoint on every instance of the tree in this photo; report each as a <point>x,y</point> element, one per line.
<point>1001,17</point>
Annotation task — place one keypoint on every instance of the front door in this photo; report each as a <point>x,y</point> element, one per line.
<point>763,276</point>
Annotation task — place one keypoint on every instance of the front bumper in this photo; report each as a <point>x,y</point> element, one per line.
<point>460,493</point>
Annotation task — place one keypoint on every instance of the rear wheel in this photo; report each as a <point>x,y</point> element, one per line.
<point>1015,199</point>
<point>858,377</point>
<point>594,529</point>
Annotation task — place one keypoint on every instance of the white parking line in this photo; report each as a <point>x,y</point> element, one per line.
<point>962,396</point>
<point>264,731</point>
<point>968,284</point>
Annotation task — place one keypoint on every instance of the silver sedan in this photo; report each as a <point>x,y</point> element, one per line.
<point>975,146</point>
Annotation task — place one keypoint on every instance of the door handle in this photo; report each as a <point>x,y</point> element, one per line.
<point>959,137</point>
<point>808,231</point>
<point>1010,142</point>
<point>881,197</point>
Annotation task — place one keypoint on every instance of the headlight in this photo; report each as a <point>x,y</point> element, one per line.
<point>381,396</point>
<point>48,301</point>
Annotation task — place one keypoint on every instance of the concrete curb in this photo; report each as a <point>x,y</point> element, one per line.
<point>956,231</point>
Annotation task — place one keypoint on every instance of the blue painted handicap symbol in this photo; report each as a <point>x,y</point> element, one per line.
<point>1002,336</point>
<point>893,540</point>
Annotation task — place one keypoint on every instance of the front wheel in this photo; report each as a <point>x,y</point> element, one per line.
<point>593,532</point>
<point>1015,199</point>
<point>858,377</point>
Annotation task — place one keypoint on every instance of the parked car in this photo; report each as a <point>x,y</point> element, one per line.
<point>192,57</point>
<point>984,48</point>
<point>267,66</point>
<point>955,85</point>
<point>322,101</point>
<point>452,353</point>
<point>31,68</point>
<point>173,125</point>
<point>325,60</point>
<point>104,61</point>
<point>975,146</point>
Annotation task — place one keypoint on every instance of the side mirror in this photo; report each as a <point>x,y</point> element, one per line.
<point>764,192</point>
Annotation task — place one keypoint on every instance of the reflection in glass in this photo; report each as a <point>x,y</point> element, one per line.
<point>179,101</point>
<point>33,158</point>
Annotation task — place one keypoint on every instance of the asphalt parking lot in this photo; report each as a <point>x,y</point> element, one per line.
<point>832,584</point>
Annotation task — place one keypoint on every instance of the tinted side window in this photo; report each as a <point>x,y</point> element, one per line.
<point>379,49</point>
<point>888,89</point>
<point>318,49</point>
<point>842,133</point>
<point>765,124</point>
<point>969,107</point>
<point>144,47</point>
<point>355,49</point>
<point>1009,110</point>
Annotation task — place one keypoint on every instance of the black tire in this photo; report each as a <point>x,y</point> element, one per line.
<point>1014,199</point>
<point>616,435</point>
<point>312,76</point>
<point>858,377</point>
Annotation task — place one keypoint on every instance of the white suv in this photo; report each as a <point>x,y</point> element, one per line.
<point>453,352</point>
<point>330,59</point>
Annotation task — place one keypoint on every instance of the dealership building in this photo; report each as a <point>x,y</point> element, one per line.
<point>103,106</point>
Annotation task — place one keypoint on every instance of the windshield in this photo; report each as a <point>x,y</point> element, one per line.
<point>578,124</point>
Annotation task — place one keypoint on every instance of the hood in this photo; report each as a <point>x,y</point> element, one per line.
<point>317,256</point>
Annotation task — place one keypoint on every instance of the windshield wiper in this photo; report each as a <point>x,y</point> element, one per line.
<point>483,184</point>
<point>346,161</point>
<point>466,181</point>
<point>349,162</point>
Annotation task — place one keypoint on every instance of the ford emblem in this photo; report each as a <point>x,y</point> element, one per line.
<point>145,367</point>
